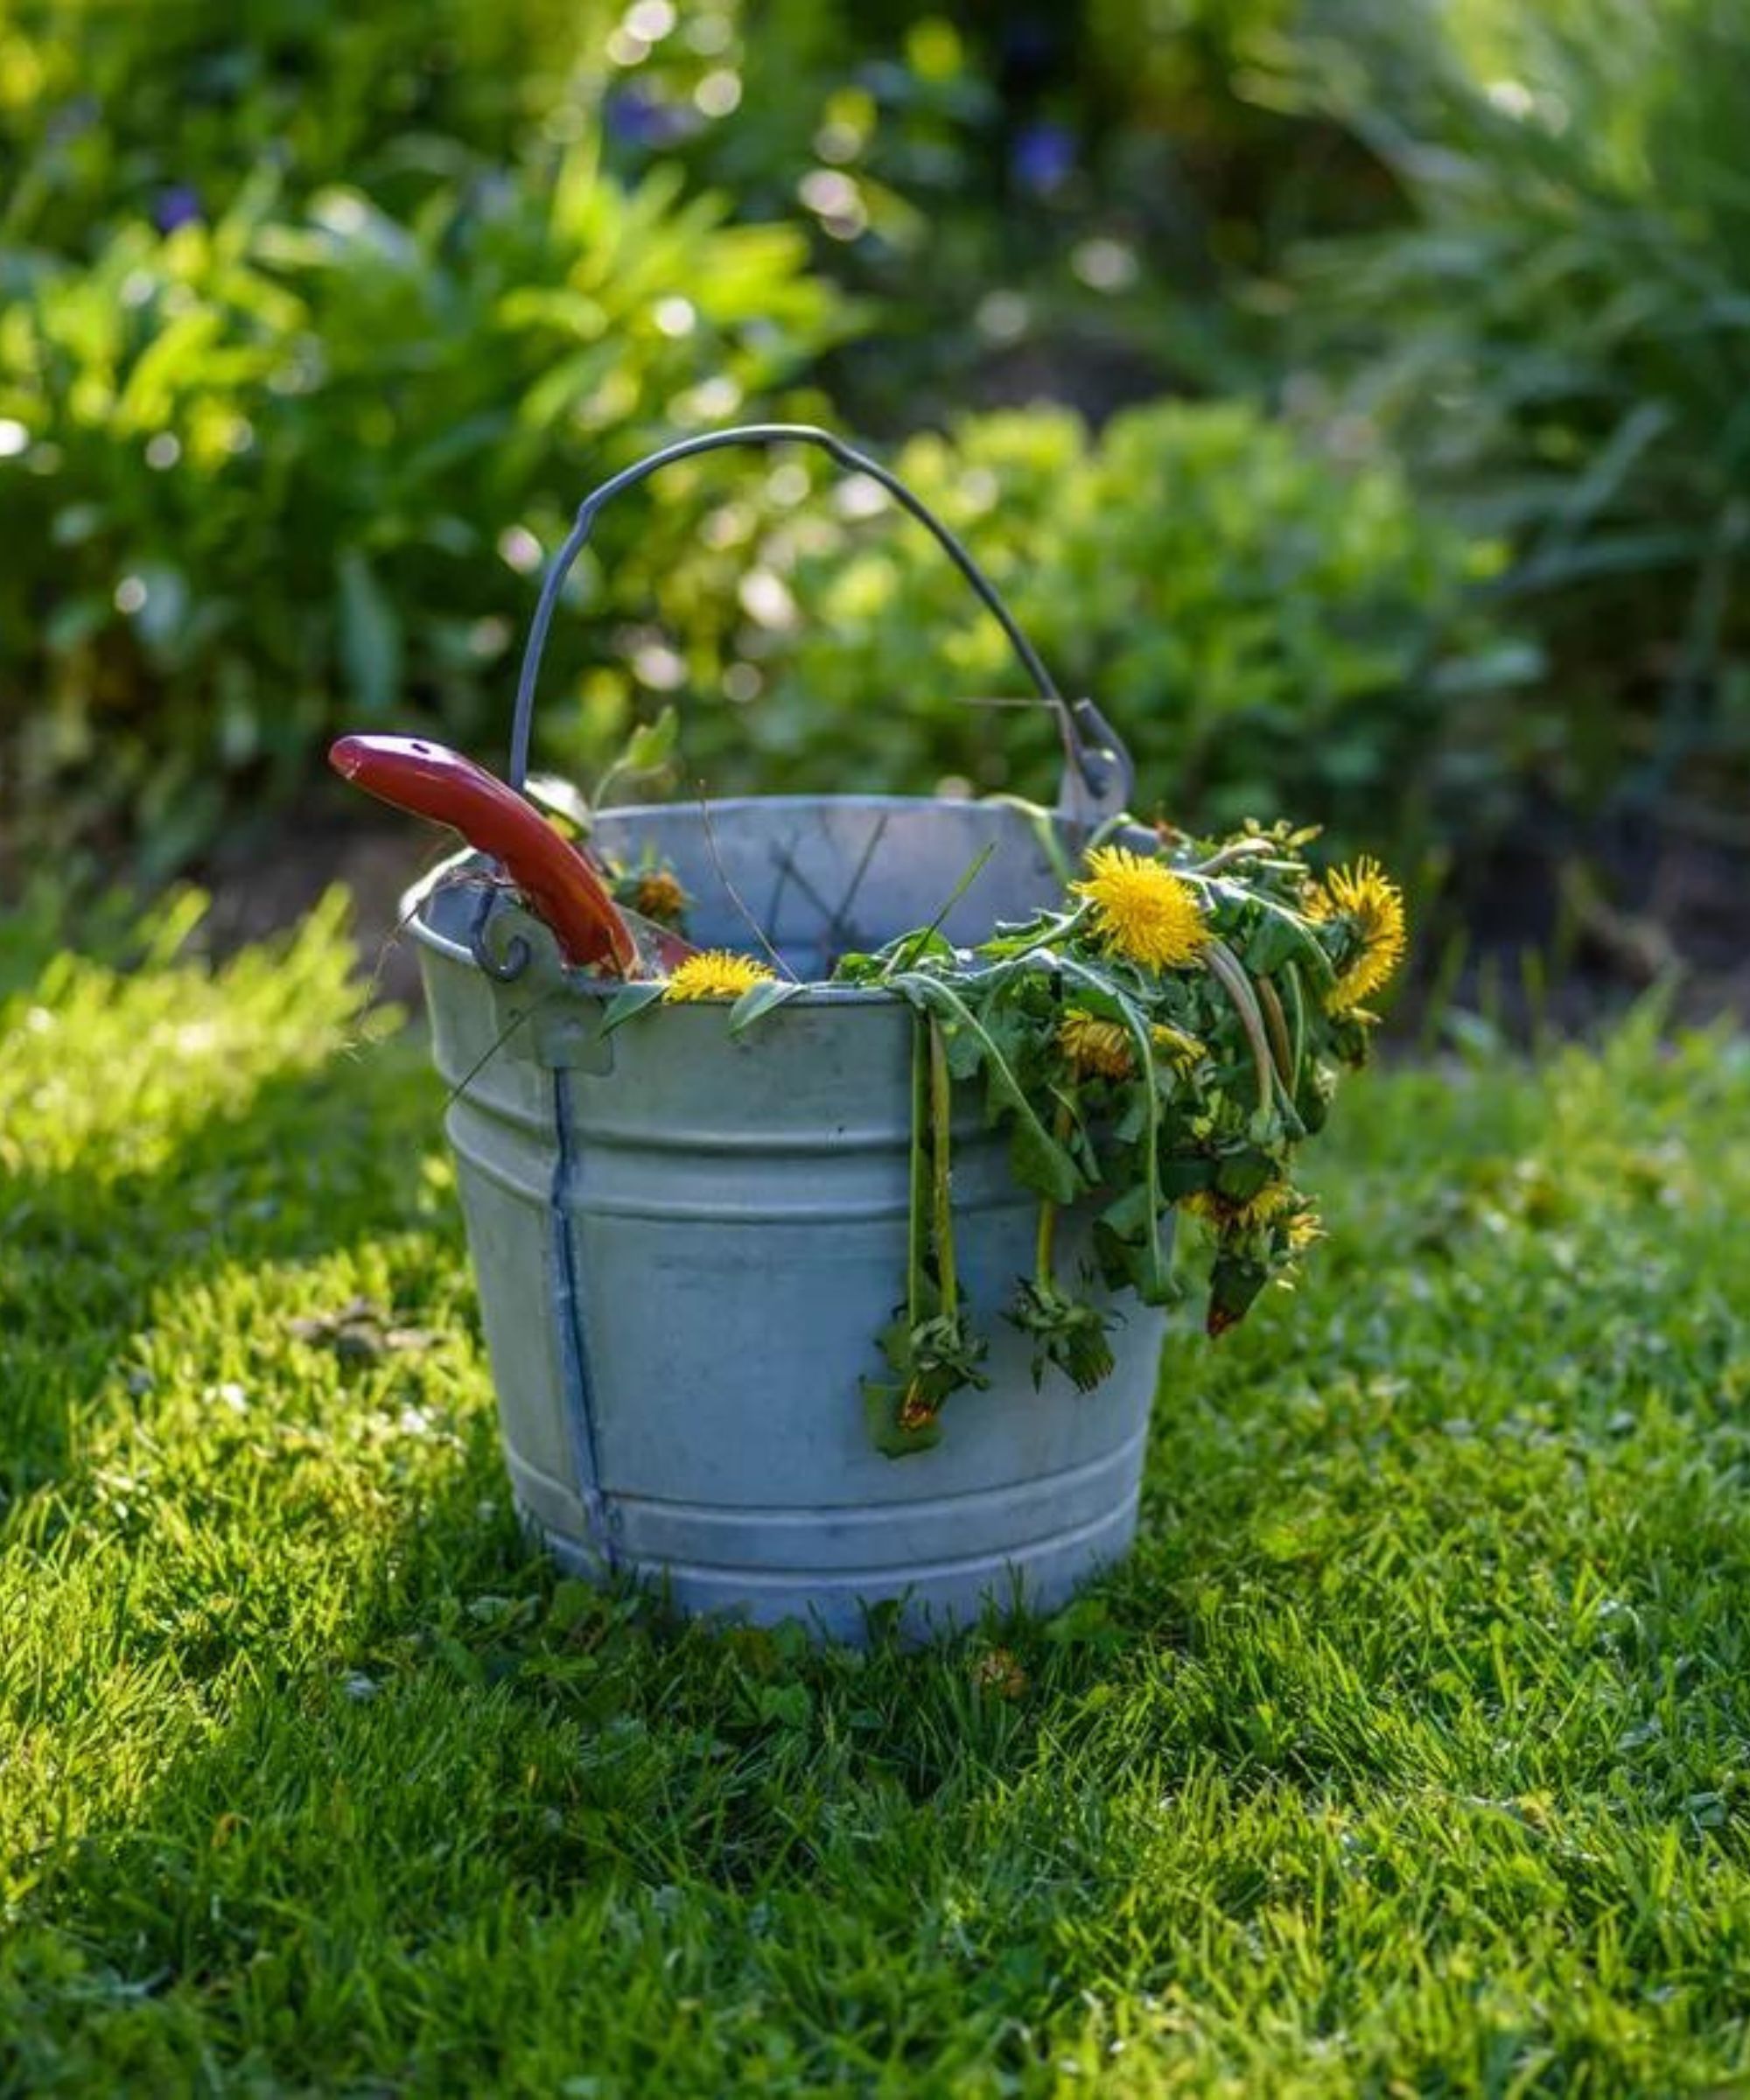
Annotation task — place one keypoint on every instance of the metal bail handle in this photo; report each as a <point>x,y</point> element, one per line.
<point>1098,764</point>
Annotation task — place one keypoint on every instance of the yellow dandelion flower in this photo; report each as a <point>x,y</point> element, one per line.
<point>715,974</point>
<point>1097,1049</point>
<point>1227,1214</point>
<point>1367,896</point>
<point>659,896</point>
<point>1180,1049</point>
<point>1306,1229</point>
<point>1141,909</point>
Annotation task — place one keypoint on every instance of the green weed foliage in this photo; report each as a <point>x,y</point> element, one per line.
<point>1407,1752</point>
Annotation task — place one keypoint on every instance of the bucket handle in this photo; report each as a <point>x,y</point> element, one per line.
<point>1097,759</point>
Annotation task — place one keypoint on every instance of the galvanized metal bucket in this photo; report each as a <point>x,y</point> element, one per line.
<point>686,1244</point>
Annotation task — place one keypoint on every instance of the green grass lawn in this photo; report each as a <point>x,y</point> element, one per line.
<point>1411,1753</point>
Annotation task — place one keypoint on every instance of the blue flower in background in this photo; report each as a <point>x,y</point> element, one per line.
<point>1044,157</point>
<point>637,118</point>
<point>176,207</point>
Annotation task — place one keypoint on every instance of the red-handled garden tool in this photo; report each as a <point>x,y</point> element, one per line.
<point>564,887</point>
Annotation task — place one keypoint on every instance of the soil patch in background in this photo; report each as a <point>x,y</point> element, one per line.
<point>270,885</point>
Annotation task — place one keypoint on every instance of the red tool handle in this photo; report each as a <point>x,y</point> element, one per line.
<point>567,892</point>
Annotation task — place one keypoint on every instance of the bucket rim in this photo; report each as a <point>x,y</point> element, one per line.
<point>413,899</point>
<point>725,804</point>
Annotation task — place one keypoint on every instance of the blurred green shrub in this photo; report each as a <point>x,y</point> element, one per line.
<point>1558,337</point>
<point>315,324</point>
<point>289,472</point>
<point>164,109</point>
<point>1272,630</point>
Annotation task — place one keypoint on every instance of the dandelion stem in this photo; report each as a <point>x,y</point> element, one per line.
<point>1287,1064</point>
<point>1290,977</point>
<point>1277,1022</point>
<point>1045,1246</point>
<point>1238,985</point>
<point>917,1224</point>
<point>947,1282</point>
<point>1239,849</point>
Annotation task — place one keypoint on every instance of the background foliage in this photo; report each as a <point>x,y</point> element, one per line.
<point>1281,631</point>
<point>1556,336</point>
<point>313,327</point>
<point>279,465</point>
